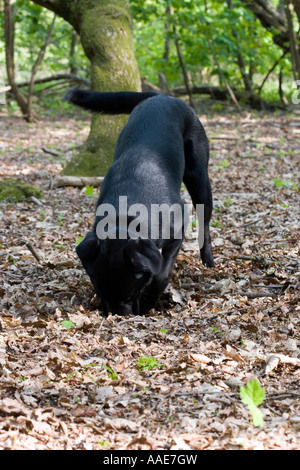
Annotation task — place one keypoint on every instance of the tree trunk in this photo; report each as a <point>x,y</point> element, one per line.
<point>35,67</point>
<point>105,33</point>
<point>280,23</point>
<point>9,53</point>
<point>295,56</point>
<point>240,58</point>
<point>271,19</point>
<point>296,4</point>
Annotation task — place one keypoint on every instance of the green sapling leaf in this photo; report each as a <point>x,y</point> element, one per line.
<point>253,395</point>
<point>67,324</point>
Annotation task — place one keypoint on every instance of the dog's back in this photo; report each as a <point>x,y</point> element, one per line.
<point>157,122</point>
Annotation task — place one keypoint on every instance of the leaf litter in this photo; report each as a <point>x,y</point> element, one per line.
<point>69,378</point>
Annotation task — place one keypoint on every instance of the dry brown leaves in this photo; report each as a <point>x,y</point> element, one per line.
<point>81,388</point>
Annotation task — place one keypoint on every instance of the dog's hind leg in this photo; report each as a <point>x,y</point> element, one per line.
<point>198,185</point>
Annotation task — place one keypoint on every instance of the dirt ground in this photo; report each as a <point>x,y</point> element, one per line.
<point>80,385</point>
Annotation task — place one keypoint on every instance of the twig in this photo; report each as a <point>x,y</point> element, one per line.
<point>254,295</point>
<point>36,201</point>
<point>77,181</point>
<point>11,274</point>
<point>223,137</point>
<point>252,223</point>
<point>33,252</point>
<point>51,183</point>
<point>260,259</point>
<point>55,154</point>
<point>282,395</point>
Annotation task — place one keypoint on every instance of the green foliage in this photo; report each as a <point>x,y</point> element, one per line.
<point>32,23</point>
<point>148,363</point>
<point>210,34</point>
<point>201,26</point>
<point>253,395</point>
<point>287,184</point>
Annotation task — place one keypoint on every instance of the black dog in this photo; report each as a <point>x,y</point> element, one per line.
<point>162,145</point>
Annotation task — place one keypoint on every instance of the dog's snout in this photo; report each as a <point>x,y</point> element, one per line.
<point>121,308</point>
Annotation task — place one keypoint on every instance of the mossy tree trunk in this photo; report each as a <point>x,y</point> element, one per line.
<point>105,32</point>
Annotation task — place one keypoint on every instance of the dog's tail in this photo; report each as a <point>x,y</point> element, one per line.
<point>120,102</point>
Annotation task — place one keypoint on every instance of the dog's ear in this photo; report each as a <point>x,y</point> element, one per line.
<point>144,256</point>
<point>88,249</point>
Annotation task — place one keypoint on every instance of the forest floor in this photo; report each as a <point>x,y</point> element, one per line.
<point>81,385</point>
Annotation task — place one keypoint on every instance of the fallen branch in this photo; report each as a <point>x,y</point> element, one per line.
<point>214,91</point>
<point>59,76</point>
<point>77,181</point>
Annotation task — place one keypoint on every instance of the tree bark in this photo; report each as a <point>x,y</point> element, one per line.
<point>170,14</point>
<point>296,4</point>
<point>35,67</point>
<point>240,58</point>
<point>280,23</point>
<point>271,19</point>
<point>9,53</point>
<point>295,56</point>
<point>105,33</point>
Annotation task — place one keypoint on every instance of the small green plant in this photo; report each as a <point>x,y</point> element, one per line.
<point>67,324</point>
<point>253,395</point>
<point>104,444</point>
<point>89,191</point>
<point>227,202</point>
<point>223,164</point>
<point>164,332</point>
<point>215,330</point>
<point>79,240</point>
<point>148,363</point>
<point>112,374</point>
<point>216,224</point>
<point>287,184</point>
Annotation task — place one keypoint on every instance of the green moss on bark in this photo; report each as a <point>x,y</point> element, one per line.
<point>105,32</point>
<point>14,191</point>
<point>96,155</point>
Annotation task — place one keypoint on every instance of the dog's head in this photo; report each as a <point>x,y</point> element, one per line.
<point>119,270</point>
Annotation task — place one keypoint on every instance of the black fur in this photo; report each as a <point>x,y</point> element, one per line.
<point>162,145</point>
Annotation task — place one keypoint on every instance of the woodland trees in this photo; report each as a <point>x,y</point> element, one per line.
<point>246,51</point>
